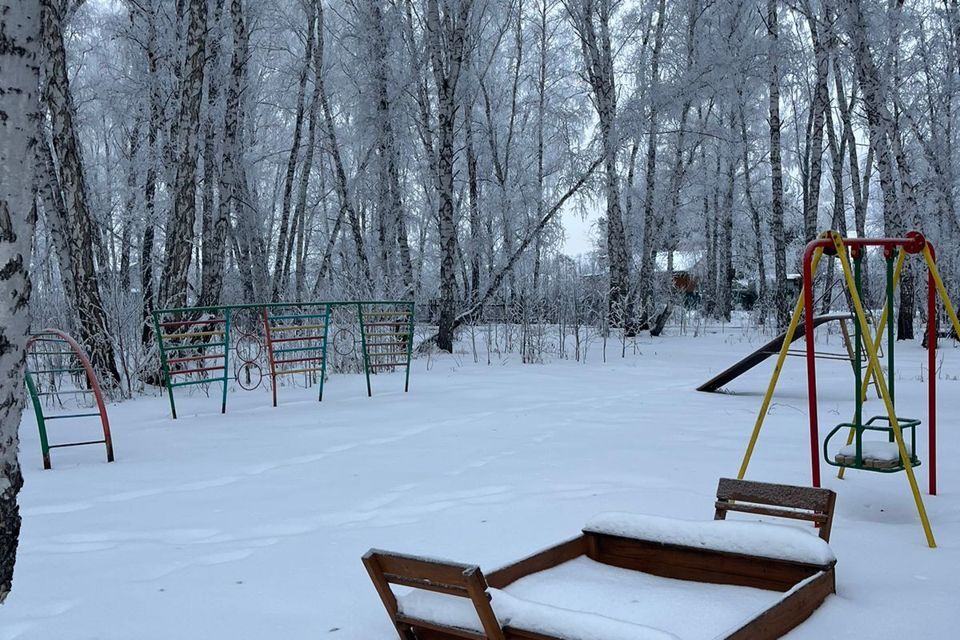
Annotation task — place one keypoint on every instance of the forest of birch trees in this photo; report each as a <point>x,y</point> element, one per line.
<point>197,152</point>
<point>170,153</point>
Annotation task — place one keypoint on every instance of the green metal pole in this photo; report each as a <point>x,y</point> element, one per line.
<point>226,356</point>
<point>163,363</point>
<point>890,334</point>
<point>41,423</point>
<point>406,383</point>
<point>323,351</point>
<point>858,356</point>
<point>363,344</point>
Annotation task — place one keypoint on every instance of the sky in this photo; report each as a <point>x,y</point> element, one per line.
<point>578,231</point>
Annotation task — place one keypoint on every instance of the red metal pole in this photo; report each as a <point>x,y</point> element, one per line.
<point>932,334</point>
<point>811,360</point>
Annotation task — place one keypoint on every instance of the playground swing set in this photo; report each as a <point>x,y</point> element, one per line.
<point>892,453</point>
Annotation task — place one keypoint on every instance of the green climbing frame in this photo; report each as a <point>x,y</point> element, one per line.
<point>195,342</point>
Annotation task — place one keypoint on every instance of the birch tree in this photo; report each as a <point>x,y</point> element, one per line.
<point>72,223</point>
<point>447,42</point>
<point>19,133</point>
<point>178,246</point>
<point>776,168</point>
<point>591,20</point>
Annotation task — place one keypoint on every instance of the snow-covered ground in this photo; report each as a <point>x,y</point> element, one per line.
<point>252,524</point>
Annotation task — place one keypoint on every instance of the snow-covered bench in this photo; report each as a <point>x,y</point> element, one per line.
<point>632,577</point>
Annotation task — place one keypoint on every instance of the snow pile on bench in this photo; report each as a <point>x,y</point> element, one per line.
<point>778,542</point>
<point>876,450</point>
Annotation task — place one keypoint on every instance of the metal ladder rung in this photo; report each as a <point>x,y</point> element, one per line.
<point>76,444</point>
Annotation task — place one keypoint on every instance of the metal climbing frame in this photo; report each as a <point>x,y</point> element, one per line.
<point>296,338</point>
<point>195,342</point>
<point>52,358</point>
<point>386,334</point>
<point>199,339</point>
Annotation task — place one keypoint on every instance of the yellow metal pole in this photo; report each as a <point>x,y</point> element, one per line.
<point>884,391</point>
<point>881,325</point>
<point>942,290</point>
<point>771,387</point>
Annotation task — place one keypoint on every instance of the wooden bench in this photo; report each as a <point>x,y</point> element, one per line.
<point>797,585</point>
<point>777,500</point>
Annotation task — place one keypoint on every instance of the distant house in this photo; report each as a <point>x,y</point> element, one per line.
<point>681,267</point>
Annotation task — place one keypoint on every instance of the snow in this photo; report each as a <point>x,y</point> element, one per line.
<point>252,524</point>
<point>448,610</point>
<point>876,450</point>
<point>585,600</point>
<point>751,538</point>
<point>574,623</point>
<point>681,608</point>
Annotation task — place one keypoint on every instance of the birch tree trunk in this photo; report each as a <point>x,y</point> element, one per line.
<point>282,254</point>
<point>725,236</point>
<point>818,107</point>
<point>755,217</point>
<point>591,21</point>
<point>390,154</point>
<point>19,127</point>
<point>130,204</point>
<point>879,120</point>
<point>78,225</point>
<point>296,238</point>
<point>649,224</point>
<point>147,284</point>
<point>857,185</point>
<point>235,190</point>
<point>179,233</point>
<point>215,218</point>
<point>776,170</point>
<point>347,207</point>
<point>447,44</point>
<point>473,195</point>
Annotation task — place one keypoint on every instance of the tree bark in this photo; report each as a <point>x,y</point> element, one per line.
<point>174,285</point>
<point>389,154</point>
<point>447,44</point>
<point>147,284</point>
<point>755,217</point>
<point>347,207</point>
<point>650,244</point>
<point>591,21</point>
<point>818,107</point>
<point>776,170</point>
<point>300,210</point>
<point>77,227</point>
<point>19,133</point>
<point>283,246</point>
<point>215,218</point>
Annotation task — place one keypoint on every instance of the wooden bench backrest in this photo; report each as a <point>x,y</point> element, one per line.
<point>450,578</point>
<point>778,500</point>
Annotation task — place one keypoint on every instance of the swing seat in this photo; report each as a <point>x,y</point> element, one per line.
<point>874,455</point>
